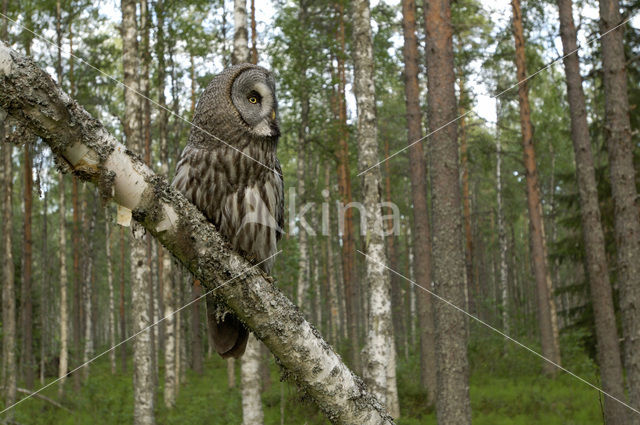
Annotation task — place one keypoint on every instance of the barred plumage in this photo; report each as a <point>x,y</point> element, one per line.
<point>230,171</point>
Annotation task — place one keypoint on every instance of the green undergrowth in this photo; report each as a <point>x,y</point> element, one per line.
<point>506,388</point>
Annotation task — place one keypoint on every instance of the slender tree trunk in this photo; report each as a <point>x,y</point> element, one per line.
<point>26,306</point>
<point>380,328</point>
<point>112,312</point>
<point>421,232</point>
<point>196,335</point>
<point>452,401</point>
<point>250,373</point>
<point>254,34</point>
<point>44,285</point>
<point>240,43</point>
<point>64,306</point>
<point>143,381</point>
<point>331,282</point>
<point>303,295</point>
<point>466,204</point>
<point>625,194</point>
<point>123,327</point>
<point>346,227</point>
<point>546,304</point>
<point>609,358</point>
<point>502,235</point>
<point>391,241</point>
<point>9,378</point>
<point>88,231</point>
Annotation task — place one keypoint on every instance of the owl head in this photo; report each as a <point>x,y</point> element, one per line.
<point>238,102</point>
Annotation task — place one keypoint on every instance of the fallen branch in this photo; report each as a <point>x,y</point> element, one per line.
<point>42,397</point>
<point>85,147</point>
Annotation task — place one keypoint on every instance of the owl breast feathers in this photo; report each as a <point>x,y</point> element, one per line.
<point>230,171</point>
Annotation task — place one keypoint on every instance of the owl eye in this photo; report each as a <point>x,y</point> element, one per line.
<point>254,98</point>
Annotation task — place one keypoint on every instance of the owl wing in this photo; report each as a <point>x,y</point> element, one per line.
<point>279,213</point>
<point>195,178</point>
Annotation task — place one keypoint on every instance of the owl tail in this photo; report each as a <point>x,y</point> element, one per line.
<point>228,334</point>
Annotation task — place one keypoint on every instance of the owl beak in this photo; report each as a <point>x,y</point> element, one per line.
<point>273,115</point>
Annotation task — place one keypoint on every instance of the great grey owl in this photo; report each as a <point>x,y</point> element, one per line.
<point>230,171</point>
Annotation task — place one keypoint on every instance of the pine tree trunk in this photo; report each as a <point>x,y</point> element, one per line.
<point>609,358</point>
<point>625,194</point>
<point>333,298</point>
<point>544,290</point>
<point>250,375</point>
<point>346,228</point>
<point>421,231</point>
<point>143,382</point>
<point>380,328</point>
<point>452,401</point>
<point>26,305</point>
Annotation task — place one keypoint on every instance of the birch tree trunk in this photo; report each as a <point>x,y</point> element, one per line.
<point>84,146</point>
<point>421,231</point>
<point>112,309</point>
<point>452,400</point>
<point>143,382</point>
<point>502,235</point>
<point>250,380</point>
<point>240,34</point>
<point>546,304</point>
<point>379,339</point>
<point>88,231</point>
<point>625,195</point>
<point>64,305</point>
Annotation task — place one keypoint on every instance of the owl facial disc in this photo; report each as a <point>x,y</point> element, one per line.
<point>253,95</point>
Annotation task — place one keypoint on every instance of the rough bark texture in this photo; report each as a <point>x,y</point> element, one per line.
<point>625,194</point>
<point>452,400</point>
<point>379,339</point>
<point>29,95</point>
<point>548,337</point>
<point>250,380</point>
<point>143,382</point>
<point>240,42</point>
<point>609,358</point>
<point>421,232</point>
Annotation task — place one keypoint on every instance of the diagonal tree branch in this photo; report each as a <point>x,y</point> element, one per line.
<point>83,146</point>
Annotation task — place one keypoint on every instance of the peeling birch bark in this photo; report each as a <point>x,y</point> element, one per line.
<point>83,145</point>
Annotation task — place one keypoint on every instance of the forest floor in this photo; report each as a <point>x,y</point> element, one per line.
<point>504,390</point>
